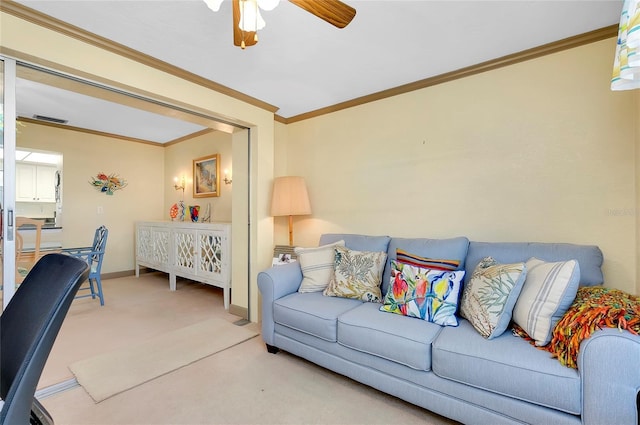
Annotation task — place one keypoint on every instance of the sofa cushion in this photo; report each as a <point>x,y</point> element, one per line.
<point>547,294</point>
<point>588,256</point>
<point>489,297</point>
<point>317,266</point>
<point>357,242</point>
<point>505,365</point>
<point>393,337</point>
<point>422,293</point>
<point>357,274</point>
<point>450,249</point>
<point>312,313</point>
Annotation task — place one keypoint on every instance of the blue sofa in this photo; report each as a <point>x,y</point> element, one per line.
<point>454,371</point>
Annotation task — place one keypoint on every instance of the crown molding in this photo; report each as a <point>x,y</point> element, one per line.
<point>189,137</point>
<point>84,130</point>
<point>525,55</point>
<point>116,136</point>
<point>46,21</point>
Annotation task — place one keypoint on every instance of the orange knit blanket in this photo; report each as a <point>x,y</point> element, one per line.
<point>594,307</point>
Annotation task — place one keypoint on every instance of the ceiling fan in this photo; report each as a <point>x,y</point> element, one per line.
<point>247,19</point>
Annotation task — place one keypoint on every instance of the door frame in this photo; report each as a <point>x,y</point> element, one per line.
<point>9,178</point>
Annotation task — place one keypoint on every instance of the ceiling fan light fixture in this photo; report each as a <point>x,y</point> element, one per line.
<point>250,18</point>
<point>247,20</point>
<point>213,4</point>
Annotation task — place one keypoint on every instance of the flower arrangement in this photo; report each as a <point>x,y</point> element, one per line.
<point>107,183</point>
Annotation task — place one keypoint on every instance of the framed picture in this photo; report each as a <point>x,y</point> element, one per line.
<point>283,254</point>
<point>206,176</point>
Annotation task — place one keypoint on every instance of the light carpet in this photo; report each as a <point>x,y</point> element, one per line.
<point>111,373</point>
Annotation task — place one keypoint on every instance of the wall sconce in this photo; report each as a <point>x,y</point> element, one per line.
<point>226,180</point>
<point>180,186</point>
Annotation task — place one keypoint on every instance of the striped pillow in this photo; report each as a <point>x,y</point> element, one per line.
<point>548,291</point>
<point>405,257</point>
<point>317,266</point>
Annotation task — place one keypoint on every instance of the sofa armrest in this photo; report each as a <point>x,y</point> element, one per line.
<point>609,365</point>
<point>275,283</point>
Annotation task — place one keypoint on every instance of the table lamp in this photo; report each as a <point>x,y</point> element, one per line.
<point>290,198</point>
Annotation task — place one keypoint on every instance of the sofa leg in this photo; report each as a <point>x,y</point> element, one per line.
<point>272,349</point>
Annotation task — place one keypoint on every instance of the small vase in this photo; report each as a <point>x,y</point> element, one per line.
<point>194,211</point>
<point>181,212</point>
<point>207,214</point>
<point>173,212</point>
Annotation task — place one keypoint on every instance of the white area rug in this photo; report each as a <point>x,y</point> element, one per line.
<point>111,373</point>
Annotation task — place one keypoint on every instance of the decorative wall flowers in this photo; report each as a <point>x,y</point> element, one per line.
<point>107,183</point>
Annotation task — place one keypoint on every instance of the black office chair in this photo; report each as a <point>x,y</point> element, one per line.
<point>28,328</point>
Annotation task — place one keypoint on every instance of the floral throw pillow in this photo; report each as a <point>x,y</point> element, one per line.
<point>357,274</point>
<point>423,293</point>
<point>489,297</point>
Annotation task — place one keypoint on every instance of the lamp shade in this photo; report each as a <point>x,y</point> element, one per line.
<point>290,196</point>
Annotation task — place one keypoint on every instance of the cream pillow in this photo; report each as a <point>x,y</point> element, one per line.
<point>548,291</point>
<point>317,266</point>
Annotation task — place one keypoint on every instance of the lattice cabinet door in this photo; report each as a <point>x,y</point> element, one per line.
<point>144,246</point>
<point>184,245</point>
<point>212,247</point>
<point>161,245</point>
<point>196,251</point>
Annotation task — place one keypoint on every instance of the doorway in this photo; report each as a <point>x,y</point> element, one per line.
<point>45,85</point>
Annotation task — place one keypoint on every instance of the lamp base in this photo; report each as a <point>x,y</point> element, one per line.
<point>290,230</point>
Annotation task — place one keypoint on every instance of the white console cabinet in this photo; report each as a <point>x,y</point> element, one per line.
<point>196,251</point>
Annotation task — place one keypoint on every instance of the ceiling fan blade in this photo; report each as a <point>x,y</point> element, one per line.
<point>335,12</point>
<point>238,35</point>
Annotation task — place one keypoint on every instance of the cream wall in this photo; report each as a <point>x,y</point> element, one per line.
<point>85,155</point>
<point>179,162</point>
<point>537,151</point>
<point>149,171</point>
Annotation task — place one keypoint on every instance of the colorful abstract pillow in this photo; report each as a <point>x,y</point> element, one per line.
<point>317,266</point>
<point>423,293</point>
<point>490,295</point>
<point>547,294</point>
<point>357,274</point>
<point>405,257</point>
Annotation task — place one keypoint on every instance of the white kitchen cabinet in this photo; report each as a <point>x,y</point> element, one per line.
<point>196,251</point>
<point>35,183</point>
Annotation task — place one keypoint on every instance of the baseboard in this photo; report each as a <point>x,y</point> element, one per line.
<point>239,311</point>
<point>115,275</point>
<point>125,273</point>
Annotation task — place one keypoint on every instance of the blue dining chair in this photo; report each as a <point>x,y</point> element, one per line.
<point>93,255</point>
